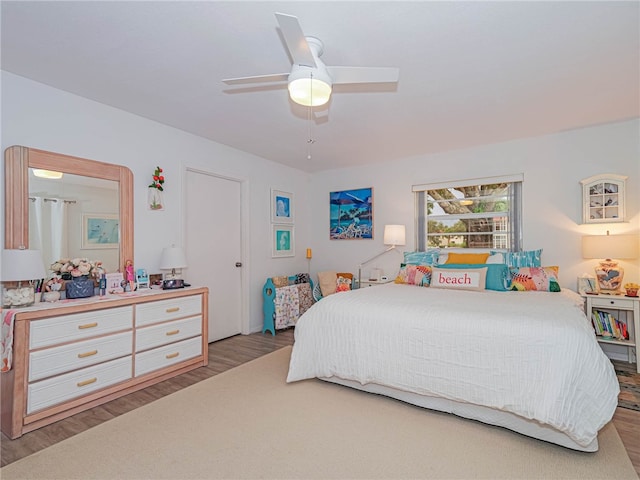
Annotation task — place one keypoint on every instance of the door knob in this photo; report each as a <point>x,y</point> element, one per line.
<point>238,264</point>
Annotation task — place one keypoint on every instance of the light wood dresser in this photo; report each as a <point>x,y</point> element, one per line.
<point>72,356</point>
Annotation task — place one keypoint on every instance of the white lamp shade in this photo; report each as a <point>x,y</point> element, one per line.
<point>394,235</point>
<point>22,264</point>
<point>173,257</point>
<point>610,246</point>
<point>309,88</point>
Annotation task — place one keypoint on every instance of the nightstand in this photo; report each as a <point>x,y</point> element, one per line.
<point>624,309</point>
<point>373,283</point>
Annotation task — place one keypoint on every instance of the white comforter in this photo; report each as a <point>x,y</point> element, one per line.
<point>529,353</point>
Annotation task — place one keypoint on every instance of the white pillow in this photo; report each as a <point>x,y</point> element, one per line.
<point>458,278</point>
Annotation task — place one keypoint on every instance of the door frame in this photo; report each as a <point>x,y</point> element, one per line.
<point>244,236</point>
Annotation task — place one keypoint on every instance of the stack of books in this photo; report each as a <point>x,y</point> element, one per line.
<point>607,326</point>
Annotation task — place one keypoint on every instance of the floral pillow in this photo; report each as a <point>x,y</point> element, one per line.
<point>419,275</point>
<point>541,279</point>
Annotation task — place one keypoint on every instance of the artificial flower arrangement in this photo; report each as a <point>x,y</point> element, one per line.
<point>76,267</point>
<point>158,179</point>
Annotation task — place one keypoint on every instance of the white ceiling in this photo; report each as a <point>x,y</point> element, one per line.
<point>471,73</point>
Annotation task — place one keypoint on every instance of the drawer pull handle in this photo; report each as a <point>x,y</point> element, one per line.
<point>87,382</point>
<point>87,354</point>
<point>172,355</point>
<point>173,332</point>
<point>174,309</point>
<point>88,325</point>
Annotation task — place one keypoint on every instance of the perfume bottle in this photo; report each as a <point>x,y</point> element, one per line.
<point>103,285</point>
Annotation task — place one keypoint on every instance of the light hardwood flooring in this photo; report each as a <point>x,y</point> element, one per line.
<point>223,355</point>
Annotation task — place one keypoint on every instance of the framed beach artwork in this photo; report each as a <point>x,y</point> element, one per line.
<point>281,206</point>
<point>100,230</point>
<point>351,214</point>
<point>282,241</point>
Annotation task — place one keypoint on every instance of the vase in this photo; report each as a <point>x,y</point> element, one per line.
<point>79,287</point>
<point>155,200</point>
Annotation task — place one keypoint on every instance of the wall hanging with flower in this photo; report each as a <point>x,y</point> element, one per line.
<point>155,200</point>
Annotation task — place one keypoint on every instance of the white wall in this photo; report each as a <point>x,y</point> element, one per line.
<point>552,165</point>
<point>39,116</point>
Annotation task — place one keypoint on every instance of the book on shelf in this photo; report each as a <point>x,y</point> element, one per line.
<point>606,325</point>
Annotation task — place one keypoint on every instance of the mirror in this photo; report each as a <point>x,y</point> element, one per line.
<point>112,205</point>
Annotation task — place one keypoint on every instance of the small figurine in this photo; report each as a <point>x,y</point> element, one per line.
<point>130,277</point>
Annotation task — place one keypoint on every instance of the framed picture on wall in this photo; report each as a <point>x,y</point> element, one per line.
<point>282,241</point>
<point>100,230</point>
<point>281,206</point>
<point>351,214</point>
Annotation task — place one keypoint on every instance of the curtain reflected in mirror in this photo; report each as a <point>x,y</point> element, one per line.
<point>58,209</point>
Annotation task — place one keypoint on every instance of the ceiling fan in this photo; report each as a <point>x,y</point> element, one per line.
<point>310,81</point>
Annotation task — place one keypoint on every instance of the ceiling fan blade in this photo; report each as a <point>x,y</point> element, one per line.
<point>295,40</point>
<point>275,77</point>
<point>364,74</point>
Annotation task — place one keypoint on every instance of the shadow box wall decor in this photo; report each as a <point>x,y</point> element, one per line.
<point>351,214</point>
<point>603,198</point>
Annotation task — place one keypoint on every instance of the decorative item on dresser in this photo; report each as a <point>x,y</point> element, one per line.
<point>71,357</point>
<point>17,266</point>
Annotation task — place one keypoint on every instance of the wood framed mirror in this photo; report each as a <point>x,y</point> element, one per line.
<point>18,161</point>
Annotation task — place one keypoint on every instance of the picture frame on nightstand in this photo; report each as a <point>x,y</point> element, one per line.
<point>587,285</point>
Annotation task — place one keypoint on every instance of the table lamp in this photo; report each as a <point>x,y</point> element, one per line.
<point>18,266</point>
<point>608,273</point>
<point>394,235</point>
<point>173,258</point>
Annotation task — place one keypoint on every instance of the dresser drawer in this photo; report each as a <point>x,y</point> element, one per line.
<point>76,384</point>
<point>52,361</point>
<point>163,310</point>
<point>168,332</point>
<point>612,302</point>
<point>78,326</point>
<point>168,355</point>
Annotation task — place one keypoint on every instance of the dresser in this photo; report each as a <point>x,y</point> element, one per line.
<point>71,356</point>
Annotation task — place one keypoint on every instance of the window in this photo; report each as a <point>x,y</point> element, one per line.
<point>480,213</point>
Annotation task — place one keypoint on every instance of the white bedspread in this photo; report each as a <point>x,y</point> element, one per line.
<point>529,353</point>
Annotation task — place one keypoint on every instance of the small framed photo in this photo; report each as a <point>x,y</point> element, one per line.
<point>100,230</point>
<point>587,285</point>
<point>282,241</point>
<point>281,206</point>
<point>114,282</point>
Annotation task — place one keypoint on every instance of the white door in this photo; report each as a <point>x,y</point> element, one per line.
<point>213,247</point>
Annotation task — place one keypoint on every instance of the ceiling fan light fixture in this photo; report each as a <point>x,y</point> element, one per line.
<point>310,88</point>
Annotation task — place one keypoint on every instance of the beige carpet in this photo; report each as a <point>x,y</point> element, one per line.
<point>248,423</point>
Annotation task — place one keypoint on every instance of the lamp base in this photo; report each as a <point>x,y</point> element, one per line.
<point>609,275</point>
<point>18,297</point>
<point>173,284</point>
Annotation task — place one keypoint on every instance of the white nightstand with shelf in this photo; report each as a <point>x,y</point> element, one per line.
<point>373,283</point>
<point>625,309</point>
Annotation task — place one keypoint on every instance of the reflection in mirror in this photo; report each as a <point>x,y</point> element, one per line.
<point>74,216</point>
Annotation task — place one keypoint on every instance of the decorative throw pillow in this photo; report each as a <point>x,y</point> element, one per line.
<point>460,279</point>
<point>301,278</point>
<point>343,284</point>
<point>429,257</point>
<point>467,258</point>
<point>279,282</point>
<point>525,258</point>
<point>542,279</point>
<point>327,282</point>
<point>419,275</point>
<point>498,277</point>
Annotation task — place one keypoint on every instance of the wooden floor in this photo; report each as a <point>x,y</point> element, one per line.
<point>223,355</point>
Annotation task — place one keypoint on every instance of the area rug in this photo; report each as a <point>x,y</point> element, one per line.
<point>248,423</point>
<point>629,380</point>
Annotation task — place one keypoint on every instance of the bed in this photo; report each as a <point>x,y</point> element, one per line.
<point>526,361</point>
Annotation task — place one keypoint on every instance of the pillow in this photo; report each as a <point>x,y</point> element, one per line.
<point>542,279</point>
<point>466,258</point>
<point>430,257</point>
<point>525,258</point>
<point>280,281</point>
<point>344,282</point>
<point>419,275</point>
<point>498,276</point>
<point>327,282</point>
<point>496,257</point>
<point>458,278</point>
